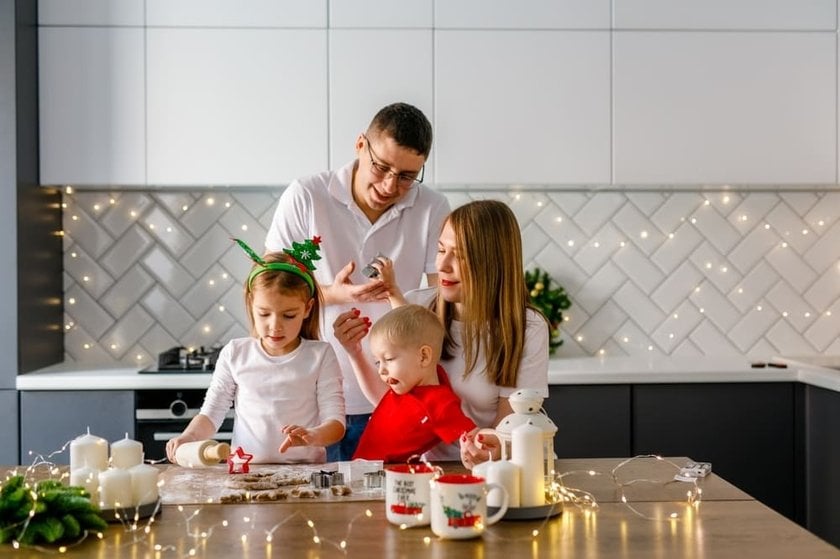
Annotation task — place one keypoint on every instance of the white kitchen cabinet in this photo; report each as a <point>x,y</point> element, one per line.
<point>534,14</point>
<point>720,108</point>
<point>393,14</point>
<point>229,13</point>
<point>235,106</point>
<point>726,14</point>
<point>92,119</point>
<point>516,107</point>
<point>90,12</point>
<point>366,74</point>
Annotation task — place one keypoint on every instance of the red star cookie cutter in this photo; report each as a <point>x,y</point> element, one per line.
<point>238,461</point>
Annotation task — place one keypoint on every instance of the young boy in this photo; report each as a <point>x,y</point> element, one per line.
<point>415,405</point>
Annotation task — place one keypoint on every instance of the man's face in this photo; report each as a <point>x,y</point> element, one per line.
<point>387,171</point>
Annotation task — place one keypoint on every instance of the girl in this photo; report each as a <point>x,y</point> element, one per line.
<point>285,384</point>
<point>496,343</point>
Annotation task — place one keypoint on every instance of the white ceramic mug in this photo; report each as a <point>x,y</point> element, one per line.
<point>407,495</point>
<point>459,506</point>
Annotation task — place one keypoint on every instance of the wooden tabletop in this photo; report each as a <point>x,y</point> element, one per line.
<point>726,524</point>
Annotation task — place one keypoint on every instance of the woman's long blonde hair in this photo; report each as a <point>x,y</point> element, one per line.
<point>493,290</point>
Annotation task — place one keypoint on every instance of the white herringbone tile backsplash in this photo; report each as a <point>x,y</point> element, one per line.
<point>663,273</point>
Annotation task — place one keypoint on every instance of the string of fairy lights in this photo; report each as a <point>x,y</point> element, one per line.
<point>717,274</point>
<point>138,527</point>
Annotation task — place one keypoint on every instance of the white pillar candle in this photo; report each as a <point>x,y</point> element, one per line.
<point>506,474</point>
<point>88,451</point>
<point>126,453</point>
<point>88,479</point>
<point>480,470</point>
<point>114,489</point>
<point>144,480</point>
<point>527,453</point>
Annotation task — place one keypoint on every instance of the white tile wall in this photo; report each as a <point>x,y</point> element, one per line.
<point>716,273</point>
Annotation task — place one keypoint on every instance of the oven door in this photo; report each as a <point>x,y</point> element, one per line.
<point>163,414</point>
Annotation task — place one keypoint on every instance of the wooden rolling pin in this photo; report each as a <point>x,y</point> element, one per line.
<point>199,454</point>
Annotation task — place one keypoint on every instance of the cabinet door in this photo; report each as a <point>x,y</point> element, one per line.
<point>823,456</point>
<point>92,115</point>
<point>90,12</point>
<point>51,419</point>
<point>726,14</point>
<point>593,421</point>
<point>746,430</point>
<point>236,106</point>
<point>711,107</point>
<point>364,77</point>
<point>518,107</point>
<point>9,435</point>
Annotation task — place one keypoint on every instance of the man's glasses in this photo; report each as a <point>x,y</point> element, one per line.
<point>382,171</point>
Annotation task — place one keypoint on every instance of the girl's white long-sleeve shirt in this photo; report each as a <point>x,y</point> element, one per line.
<point>267,392</point>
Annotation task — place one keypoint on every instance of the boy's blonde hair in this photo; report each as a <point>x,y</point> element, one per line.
<point>412,325</point>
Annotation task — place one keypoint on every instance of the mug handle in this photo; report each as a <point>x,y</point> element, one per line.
<point>502,509</point>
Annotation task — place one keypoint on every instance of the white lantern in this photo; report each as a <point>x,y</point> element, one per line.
<point>527,409</point>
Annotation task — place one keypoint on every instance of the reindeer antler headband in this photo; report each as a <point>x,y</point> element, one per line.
<point>302,255</point>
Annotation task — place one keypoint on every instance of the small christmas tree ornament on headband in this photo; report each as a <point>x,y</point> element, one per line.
<point>301,254</point>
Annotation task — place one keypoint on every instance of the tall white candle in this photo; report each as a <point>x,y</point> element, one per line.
<point>527,453</point>
<point>115,489</point>
<point>88,451</point>
<point>144,480</point>
<point>506,474</point>
<point>87,478</point>
<point>126,453</point>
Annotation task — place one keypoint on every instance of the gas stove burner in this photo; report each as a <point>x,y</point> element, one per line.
<point>181,359</point>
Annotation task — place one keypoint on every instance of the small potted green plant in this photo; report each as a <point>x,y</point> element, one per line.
<point>551,300</point>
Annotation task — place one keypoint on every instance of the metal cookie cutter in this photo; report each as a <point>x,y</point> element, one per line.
<point>375,480</point>
<point>323,480</point>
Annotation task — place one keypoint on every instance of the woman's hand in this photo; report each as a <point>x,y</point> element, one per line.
<point>478,447</point>
<point>385,266</point>
<point>349,328</point>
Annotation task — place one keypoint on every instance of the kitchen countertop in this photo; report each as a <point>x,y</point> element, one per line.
<point>585,370</point>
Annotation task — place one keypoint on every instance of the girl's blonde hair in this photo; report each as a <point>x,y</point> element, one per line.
<point>494,294</point>
<point>287,283</point>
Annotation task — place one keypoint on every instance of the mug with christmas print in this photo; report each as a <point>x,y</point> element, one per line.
<point>407,493</point>
<point>459,506</point>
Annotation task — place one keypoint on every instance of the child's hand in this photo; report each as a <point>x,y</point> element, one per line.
<point>385,266</point>
<point>295,436</point>
<point>173,444</point>
<point>349,328</point>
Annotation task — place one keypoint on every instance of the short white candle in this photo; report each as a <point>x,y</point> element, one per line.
<point>87,478</point>
<point>126,453</point>
<point>527,453</point>
<point>144,480</point>
<point>115,489</point>
<point>88,451</point>
<point>506,474</point>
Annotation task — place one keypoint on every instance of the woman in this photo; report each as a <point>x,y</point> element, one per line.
<point>496,342</point>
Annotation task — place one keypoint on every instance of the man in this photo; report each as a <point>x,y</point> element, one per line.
<point>375,205</point>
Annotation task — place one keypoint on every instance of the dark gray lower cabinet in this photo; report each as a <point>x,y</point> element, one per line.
<point>593,421</point>
<point>50,419</point>
<point>746,430</point>
<point>9,434</point>
<point>822,442</point>
<point>750,432</point>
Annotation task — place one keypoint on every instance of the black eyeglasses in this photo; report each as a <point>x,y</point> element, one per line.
<point>382,171</point>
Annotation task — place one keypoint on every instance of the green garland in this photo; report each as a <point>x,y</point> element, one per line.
<point>48,512</point>
<point>550,300</point>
